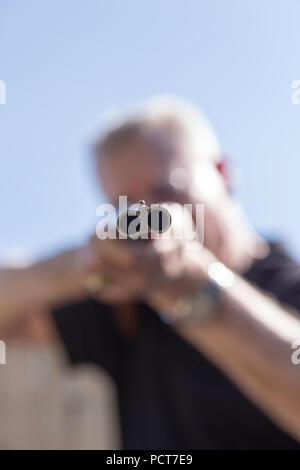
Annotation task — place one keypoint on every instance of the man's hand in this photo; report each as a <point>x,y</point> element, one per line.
<point>124,266</point>
<point>183,269</point>
<point>157,270</point>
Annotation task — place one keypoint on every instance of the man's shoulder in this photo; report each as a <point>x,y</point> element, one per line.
<point>278,257</point>
<point>278,274</point>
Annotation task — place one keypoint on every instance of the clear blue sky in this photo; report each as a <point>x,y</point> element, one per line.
<point>66,61</point>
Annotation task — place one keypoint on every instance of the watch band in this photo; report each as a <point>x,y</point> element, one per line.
<point>197,307</point>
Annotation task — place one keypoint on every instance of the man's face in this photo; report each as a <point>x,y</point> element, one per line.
<point>151,170</point>
<point>157,171</point>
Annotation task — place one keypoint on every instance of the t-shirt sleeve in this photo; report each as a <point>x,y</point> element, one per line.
<point>279,276</point>
<point>89,334</point>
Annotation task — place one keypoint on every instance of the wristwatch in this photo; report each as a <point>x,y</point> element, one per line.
<point>201,305</point>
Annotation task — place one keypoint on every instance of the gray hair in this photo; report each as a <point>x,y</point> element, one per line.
<point>165,113</point>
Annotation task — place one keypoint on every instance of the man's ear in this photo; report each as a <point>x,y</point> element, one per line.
<point>224,168</point>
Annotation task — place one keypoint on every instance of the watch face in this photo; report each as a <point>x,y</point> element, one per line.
<point>205,304</point>
<point>193,309</point>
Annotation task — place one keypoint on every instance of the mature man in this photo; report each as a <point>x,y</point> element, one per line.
<point>198,341</point>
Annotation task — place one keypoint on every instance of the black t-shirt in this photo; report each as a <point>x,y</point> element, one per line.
<point>170,395</point>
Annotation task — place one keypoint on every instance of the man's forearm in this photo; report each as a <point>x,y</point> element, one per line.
<point>45,283</point>
<point>250,341</point>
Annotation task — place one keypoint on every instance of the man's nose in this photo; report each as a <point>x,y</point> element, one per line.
<point>167,192</point>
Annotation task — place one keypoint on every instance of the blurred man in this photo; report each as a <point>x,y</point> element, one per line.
<point>198,341</point>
